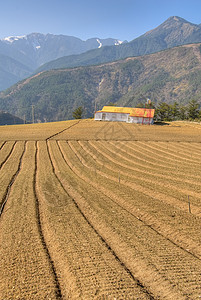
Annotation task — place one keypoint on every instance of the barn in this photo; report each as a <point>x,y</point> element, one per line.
<point>125,114</point>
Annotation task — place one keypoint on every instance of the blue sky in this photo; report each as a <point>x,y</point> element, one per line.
<point>121,19</point>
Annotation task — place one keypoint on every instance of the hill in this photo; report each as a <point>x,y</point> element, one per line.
<point>8,119</point>
<point>170,75</point>
<point>175,31</point>
<point>12,71</point>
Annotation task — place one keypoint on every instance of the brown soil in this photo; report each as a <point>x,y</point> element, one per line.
<point>101,212</point>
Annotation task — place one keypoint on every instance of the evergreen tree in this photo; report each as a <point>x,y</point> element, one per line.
<point>182,112</point>
<point>175,111</point>
<point>172,112</point>
<point>163,112</point>
<point>193,110</point>
<point>77,114</point>
<point>150,105</point>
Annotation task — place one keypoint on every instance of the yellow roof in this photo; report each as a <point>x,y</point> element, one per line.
<point>133,112</point>
<point>125,110</point>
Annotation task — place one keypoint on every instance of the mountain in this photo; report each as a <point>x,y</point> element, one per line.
<point>12,71</point>
<point>170,75</point>
<point>8,119</point>
<point>175,31</point>
<point>40,48</point>
<point>35,49</point>
<point>38,52</point>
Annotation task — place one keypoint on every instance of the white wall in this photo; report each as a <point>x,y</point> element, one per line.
<point>98,116</point>
<point>106,116</point>
<point>139,120</point>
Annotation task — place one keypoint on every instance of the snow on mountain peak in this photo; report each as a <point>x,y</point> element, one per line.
<point>32,39</point>
<point>118,42</point>
<point>100,44</point>
<point>11,39</point>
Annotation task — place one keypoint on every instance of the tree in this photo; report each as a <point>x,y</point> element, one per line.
<point>182,112</point>
<point>163,112</point>
<point>193,110</point>
<point>150,105</point>
<point>77,114</point>
<point>175,111</point>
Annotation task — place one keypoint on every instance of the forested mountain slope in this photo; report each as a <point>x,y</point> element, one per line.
<point>170,75</point>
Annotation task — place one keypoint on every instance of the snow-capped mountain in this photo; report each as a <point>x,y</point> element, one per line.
<point>22,55</point>
<point>32,50</point>
<point>40,48</point>
<point>11,39</point>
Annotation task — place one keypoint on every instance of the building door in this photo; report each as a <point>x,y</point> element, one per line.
<point>103,116</point>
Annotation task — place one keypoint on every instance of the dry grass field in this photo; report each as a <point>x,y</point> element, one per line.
<point>99,210</point>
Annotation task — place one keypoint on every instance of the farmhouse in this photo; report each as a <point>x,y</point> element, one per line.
<point>125,114</point>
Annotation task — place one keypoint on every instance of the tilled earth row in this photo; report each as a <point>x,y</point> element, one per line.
<point>88,268</point>
<point>100,220</point>
<point>166,214</point>
<point>167,194</point>
<point>173,262</point>
<point>25,268</point>
<point>9,165</point>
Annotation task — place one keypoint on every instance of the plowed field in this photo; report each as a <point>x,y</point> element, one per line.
<point>97,210</point>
